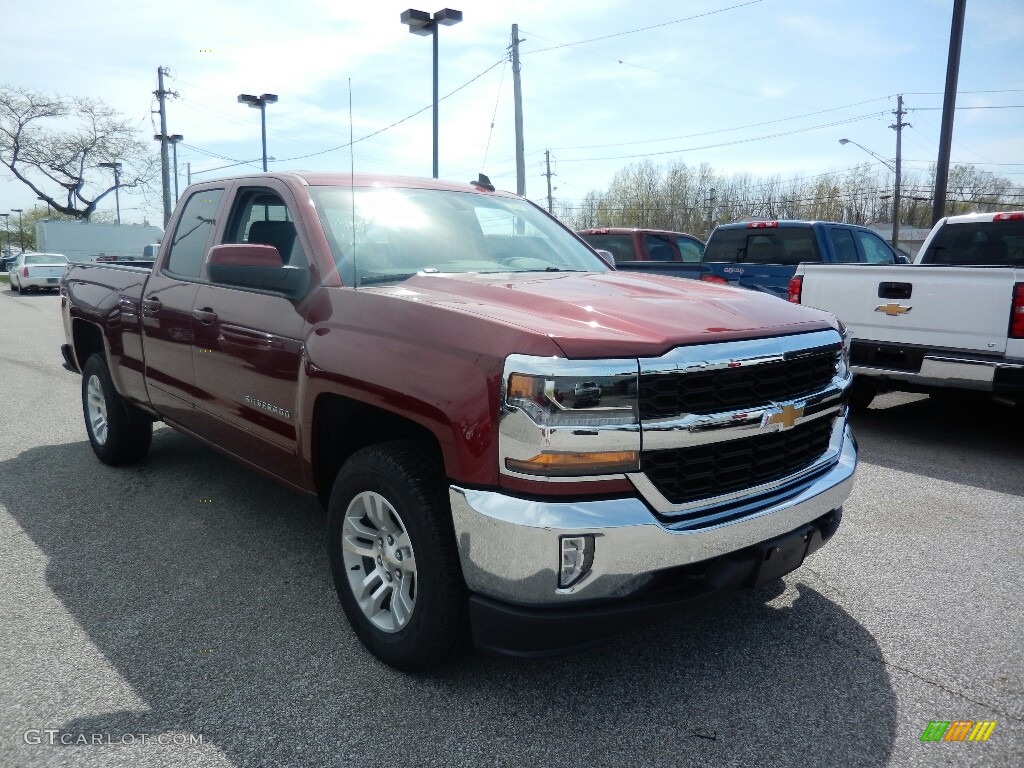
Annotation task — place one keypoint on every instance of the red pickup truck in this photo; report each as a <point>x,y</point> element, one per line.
<point>516,445</point>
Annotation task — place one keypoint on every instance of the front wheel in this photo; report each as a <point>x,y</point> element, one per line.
<point>14,286</point>
<point>393,556</point>
<point>118,431</point>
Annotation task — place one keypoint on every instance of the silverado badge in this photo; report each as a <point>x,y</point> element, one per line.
<point>785,417</point>
<point>893,310</point>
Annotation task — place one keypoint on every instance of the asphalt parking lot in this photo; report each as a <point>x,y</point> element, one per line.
<point>189,599</point>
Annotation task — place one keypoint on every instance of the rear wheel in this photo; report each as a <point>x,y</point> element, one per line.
<point>393,556</point>
<point>118,431</point>
<point>14,284</point>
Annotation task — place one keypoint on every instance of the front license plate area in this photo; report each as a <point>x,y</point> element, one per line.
<point>783,555</point>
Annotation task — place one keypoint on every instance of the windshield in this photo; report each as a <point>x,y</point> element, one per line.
<point>389,234</point>
<point>46,258</point>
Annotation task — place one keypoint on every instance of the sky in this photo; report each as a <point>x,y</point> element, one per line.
<point>748,86</point>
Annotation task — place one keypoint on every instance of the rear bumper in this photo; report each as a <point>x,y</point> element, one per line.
<point>531,631</point>
<point>39,282</point>
<point>948,370</point>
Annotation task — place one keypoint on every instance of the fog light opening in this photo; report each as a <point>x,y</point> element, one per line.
<point>577,557</point>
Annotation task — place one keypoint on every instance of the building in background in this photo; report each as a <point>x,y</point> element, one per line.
<point>84,241</point>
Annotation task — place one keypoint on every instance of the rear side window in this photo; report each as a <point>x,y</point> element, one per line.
<point>620,246</point>
<point>843,245</point>
<point>659,248</point>
<point>784,245</point>
<point>691,250</point>
<point>875,250</point>
<point>188,247</point>
<point>978,244</point>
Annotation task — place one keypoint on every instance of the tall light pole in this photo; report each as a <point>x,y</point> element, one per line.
<point>116,167</point>
<point>260,102</point>
<point>895,239</point>
<point>49,209</point>
<point>21,228</point>
<point>422,23</point>
<point>7,231</point>
<point>174,138</point>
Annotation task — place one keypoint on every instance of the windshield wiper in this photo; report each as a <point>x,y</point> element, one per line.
<point>378,279</point>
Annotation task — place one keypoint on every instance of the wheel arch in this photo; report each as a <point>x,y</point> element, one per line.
<point>343,425</point>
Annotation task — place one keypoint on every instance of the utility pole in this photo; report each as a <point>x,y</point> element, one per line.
<point>956,36</point>
<point>517,90</point>
<point>547,159</point>
<point>711,209</point>
<point>900,125</point>
<point>165,169</point>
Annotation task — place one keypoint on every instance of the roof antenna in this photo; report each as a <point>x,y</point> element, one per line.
<point>483,182</point>
<point>352,187</point>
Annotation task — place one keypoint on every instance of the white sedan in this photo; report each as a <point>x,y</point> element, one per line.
<point>38,270</point>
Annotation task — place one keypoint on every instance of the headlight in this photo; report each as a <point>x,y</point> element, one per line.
<point>574,401</point>
<point>569,419</point>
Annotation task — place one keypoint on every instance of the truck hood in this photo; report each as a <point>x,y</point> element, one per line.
<point>614,314</point>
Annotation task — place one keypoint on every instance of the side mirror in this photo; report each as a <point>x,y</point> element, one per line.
<point>901,259</point>
<point>250,265</point>
<point>607,256</point>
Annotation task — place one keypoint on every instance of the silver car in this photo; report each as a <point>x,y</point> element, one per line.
<point>38,270</point>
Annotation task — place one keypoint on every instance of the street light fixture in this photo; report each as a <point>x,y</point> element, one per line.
<point>896,189</point>
<point>21,228</point>
<point>422,23</point>
<point>116,167</point>
<point>260,102</point>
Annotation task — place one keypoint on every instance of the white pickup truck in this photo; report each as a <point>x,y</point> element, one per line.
<point>952,320</point>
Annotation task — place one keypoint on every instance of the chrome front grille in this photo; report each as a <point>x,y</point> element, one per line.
<point>724,423</point>
<point>665,395</point>
<point>707,471</point>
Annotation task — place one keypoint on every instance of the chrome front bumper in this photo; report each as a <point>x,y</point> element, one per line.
<point>510,547</point>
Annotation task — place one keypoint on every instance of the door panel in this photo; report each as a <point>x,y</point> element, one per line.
<point>247,360</point>
<point>167,331</point>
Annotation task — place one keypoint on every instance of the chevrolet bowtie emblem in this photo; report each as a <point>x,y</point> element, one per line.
<point>785,417</point>
<point>892,310</point>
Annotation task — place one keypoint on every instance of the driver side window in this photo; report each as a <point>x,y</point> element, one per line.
<point>261,216</point>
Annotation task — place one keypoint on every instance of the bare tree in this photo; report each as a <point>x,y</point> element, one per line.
<point>54,145</point>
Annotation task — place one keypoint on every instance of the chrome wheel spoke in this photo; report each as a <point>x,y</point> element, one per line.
<point>380,561</point>
<point>96,408</point>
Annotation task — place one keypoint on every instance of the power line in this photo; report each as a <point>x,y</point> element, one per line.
<point>724,130</point>
<point>728,143</point>
<point>644,29</point>
<point>397,122</point>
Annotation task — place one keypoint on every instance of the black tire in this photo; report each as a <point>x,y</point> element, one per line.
<point>862,393</point>
<point>14,288</point>
<point>410,478</point>
<point>129,431</point>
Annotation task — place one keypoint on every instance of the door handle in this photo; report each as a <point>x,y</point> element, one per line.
<point>895,290</point>
<point>206,316</point>
<point>152,304</point>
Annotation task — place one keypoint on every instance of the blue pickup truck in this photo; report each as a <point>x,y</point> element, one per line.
<point>763,255</point>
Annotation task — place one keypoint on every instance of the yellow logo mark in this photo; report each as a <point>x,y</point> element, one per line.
<point>785,418</point>
<point>892,310</point>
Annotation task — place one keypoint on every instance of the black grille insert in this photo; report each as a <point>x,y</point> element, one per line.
<point>665,395</point>
<point>706,471</point>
